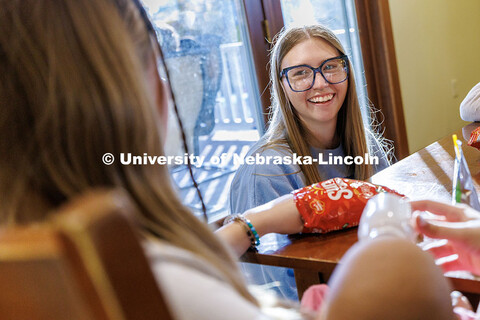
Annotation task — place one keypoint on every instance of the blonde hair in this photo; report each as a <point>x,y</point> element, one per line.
<point>74,88</point>
<point>285,127</point>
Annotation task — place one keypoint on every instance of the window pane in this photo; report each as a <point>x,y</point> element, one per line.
<point>340,17</point>
<point>207,52</point>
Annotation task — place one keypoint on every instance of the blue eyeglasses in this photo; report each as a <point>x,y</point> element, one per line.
<point>301,78</point>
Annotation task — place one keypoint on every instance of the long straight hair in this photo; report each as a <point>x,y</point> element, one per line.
<point>285,127</point>
<point>73,88</point>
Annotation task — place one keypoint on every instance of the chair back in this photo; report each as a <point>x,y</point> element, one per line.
<point>86,262</point>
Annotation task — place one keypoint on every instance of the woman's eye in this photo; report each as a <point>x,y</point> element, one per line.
<point>298,73</point>
<point>332,67</point>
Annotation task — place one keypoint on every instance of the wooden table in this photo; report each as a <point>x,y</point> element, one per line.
<point>426,174</point>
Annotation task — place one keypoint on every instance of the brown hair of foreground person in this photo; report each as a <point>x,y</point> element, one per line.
<point>74,87</point>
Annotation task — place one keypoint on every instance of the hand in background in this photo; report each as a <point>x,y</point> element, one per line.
<point>459,229</point>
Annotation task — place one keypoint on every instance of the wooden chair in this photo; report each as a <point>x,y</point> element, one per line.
<point>84,263</point>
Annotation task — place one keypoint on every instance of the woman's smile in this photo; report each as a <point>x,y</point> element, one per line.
<point>321,98</point>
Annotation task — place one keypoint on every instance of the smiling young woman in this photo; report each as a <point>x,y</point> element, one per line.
<point>315,112</point>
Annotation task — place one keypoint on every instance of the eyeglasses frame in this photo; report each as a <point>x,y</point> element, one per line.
<point>315,70</point>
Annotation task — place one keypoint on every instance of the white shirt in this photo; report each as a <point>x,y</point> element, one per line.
<point>192,290</point>
<point>470,106</point>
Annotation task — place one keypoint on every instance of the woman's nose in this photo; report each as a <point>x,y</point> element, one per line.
<point>320,81</point>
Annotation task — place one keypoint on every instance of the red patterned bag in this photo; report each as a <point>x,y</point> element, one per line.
<point>334,204</point>
<point>474,140</point>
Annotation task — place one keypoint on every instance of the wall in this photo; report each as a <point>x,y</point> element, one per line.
<point>436,41</point>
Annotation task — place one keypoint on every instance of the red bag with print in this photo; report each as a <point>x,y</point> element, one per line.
<point>334,204</point>
<point>474,140</point>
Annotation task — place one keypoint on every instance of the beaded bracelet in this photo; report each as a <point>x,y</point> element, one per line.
<point>249,228</point>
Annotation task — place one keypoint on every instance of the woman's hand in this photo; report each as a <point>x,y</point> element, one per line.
<point>459,229</point>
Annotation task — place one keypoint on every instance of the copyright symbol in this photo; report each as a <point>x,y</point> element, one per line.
<point>108,159</point>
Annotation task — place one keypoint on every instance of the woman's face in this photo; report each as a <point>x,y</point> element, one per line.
<point>319,105</point>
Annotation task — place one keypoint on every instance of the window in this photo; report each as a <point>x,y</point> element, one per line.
<point>207,52</point>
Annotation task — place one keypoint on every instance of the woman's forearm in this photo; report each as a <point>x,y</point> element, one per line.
<point>277,216</point>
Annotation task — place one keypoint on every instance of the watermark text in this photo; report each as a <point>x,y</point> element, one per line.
<point>236,159</point>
